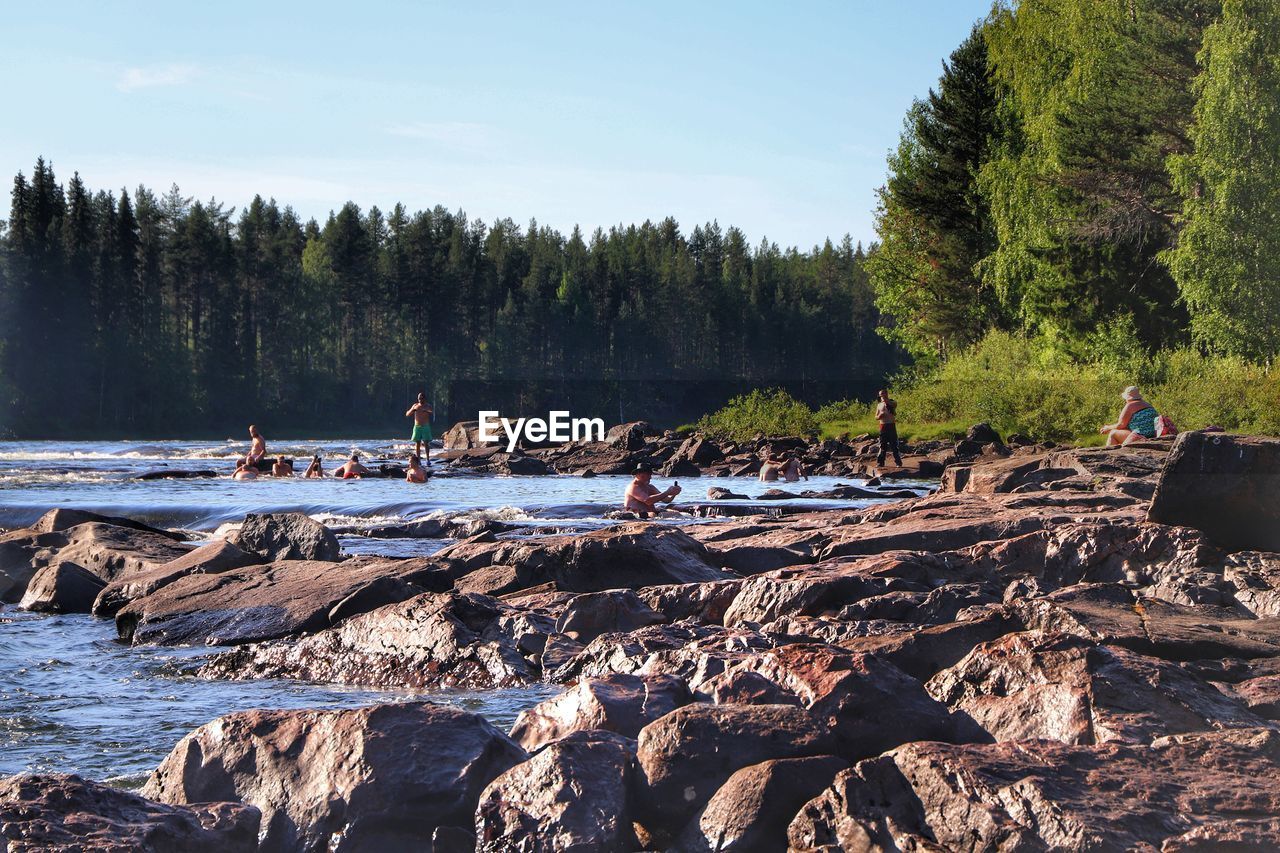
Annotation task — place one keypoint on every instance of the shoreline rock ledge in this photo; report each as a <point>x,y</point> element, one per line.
<point>1034,657</point>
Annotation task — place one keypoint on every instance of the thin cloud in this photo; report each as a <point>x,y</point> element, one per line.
<point>459,133</point>
<point>153,76</point>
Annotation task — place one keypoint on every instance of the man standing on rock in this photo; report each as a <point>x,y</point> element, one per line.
<point>643,497</point>
<point>887,416</point>
<point>421,414</point>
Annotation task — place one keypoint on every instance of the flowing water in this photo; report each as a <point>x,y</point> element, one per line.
<point>72,699</point>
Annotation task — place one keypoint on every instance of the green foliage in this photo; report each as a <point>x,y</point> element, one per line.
<point>1227,260</point>
<point>772,412</point>
<point>934,227</point>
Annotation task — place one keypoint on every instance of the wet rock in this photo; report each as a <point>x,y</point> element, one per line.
<point>571,795</point>
<point>263,602</point>
<point>382,777</point>
<point>1198,791</point>
<point>286,536</point>
<point>1226,485</point>
<point>1032,685</point>
<point>68,814</point>
<point>719,493</point>
<point>62,588</point>
<point>432,640</point>
<point>618,703</point>
<point>176,474</point>
<point>588,616</point>
<point>687,755</point>
<point>111,552</point>
<point>753,809</point>
<point>218,556</point>
<point>776,495</point>
<point>628,556</point>
<point>64,519</point>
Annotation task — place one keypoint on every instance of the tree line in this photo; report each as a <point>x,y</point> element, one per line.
<point>146,313</point>
<point>1094,175</point>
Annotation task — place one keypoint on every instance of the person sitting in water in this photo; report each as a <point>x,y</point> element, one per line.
<point>1137,420</point>
<point>792,469</point>
<point>351,469</point>
<point>315,469</point>
<point>771,469</point>
<point>643,497</point>
<point>258,450</point>
<point>416,473</point>
<point>282,468</point>
<point>245,470</point>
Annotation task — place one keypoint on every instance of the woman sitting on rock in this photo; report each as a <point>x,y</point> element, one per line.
<point>1137,420</point>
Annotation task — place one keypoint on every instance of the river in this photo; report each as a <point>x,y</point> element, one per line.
<point>72,699</point>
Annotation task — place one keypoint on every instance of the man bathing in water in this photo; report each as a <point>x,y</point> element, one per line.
<point>282,468</point>
<point>416,473</point>
<point>258,450</point>
<point>787,467</point>
<point>351,469</point>
<point>642,497</point>
<point>421,414</point>
<point>245,470</point>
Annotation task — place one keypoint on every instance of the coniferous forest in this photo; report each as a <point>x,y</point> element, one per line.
<point>1091,190</point>
<point>140,313</point>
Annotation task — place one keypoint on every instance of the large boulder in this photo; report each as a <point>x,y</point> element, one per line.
<point>753,809</point>
<point>571,795</point>
<point>629,436</point>
<point>591,614</point>
<point>112,552</point>
<point>264,602</point>
<point>62,588</point>
<point>286,536</point>
<point>211,559</point>
<point>1226,485</point>
<point>619,703</point>
<point>1210,791</point>
<point>1033,685</point>
<point>383,777</point>
<point>431,640</point>
<point>464,435</point>
<point>64,518</point>
<point>67,814</point>
<point>690,753</point>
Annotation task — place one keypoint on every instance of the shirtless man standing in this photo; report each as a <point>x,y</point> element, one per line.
<point>643,497</point>
<point>258,451</point>
<point>421,414</point>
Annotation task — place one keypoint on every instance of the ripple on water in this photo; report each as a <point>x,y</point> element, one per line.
<point>75,700</point>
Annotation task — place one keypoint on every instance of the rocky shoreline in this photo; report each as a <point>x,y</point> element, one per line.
<point>1058,649</point>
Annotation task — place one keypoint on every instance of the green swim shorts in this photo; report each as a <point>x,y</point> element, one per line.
<point>421,432</point>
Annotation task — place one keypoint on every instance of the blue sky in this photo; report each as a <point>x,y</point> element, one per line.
<point>774,117</point>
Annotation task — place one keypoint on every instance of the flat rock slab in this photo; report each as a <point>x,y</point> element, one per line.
<point>1226,485</point>
<point>216,557</point>
<point>1208,791</point>
<point>68,814</point>
<point>264,602</point>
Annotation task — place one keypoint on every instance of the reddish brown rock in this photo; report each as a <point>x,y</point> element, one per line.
<point>618,703</point>
<point>213,558</point>
<point>753,809</point>
<point>64,518</point>
<point>111,552</point>
<point>1032,685</point>
<point>61,588</point>
<point>383,777</point>
<point>256,603</point>
<point>1199,791</point>
<point>588,616</point>
<point>66,814</point>
<point>571,795</point>
<point>701,602</point>
<point>687,755</point>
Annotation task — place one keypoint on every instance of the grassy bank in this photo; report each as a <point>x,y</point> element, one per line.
<point>1025,386</point>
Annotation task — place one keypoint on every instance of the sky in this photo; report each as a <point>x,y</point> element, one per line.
<point>774,117</point>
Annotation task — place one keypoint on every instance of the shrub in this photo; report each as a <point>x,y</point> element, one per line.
<point>771,412</point>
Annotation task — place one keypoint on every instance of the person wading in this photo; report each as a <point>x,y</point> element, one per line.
<point>887,417</point>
